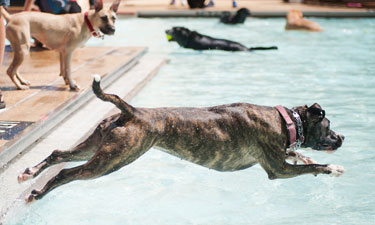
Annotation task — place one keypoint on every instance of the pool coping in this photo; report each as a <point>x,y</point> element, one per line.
<point>256,14</point>
<point>32,133</point>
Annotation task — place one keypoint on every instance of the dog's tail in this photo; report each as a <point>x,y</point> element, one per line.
<point>125,108</point>
<point>4,13</point>
<point>263,48</point>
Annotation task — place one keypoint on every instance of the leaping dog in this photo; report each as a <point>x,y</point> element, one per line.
<point>225,138</point>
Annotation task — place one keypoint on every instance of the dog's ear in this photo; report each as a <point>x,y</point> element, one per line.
<point>315,112</point>
<point>114,6</point>
<point>98,5</point>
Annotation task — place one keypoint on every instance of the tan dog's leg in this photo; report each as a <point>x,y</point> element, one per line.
<point>65,64</point>
<point>13,70</point>
<point>20,45</point>
<point>62,66</point>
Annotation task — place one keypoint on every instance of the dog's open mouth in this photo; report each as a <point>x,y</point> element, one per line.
<point>327,148</point>
<point>330,151</point>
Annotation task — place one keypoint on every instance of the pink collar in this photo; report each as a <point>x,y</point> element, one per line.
<point>91,28</point>
<point>289,125</point>
<point>293,142</point>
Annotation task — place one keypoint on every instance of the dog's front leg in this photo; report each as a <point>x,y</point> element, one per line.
<point>277,167</point>
<point>67,62</point>
<point>62,67</point>
<point>298,157</point>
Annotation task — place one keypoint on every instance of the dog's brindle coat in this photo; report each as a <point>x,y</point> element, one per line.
<point>225,138</point>
<point>63,33</point>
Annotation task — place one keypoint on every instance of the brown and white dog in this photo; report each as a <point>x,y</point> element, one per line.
<point>63,33</point>
<point>224,138</point>
<point>295,21</point>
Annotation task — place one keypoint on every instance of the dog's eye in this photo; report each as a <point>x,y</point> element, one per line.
<point>113,18</point>
<point>104,19</point>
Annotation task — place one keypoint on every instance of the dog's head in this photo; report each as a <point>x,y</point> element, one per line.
<point>294,15</point>
<point>178,34</point>
<point>241,15</point>
<point>104,18</point>
<point>318,134</point>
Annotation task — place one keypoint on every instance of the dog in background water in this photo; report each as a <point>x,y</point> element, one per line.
<point>239,17</point>
<point>63,33</point>
<point>295,21</point>
<point>224,138</point>
<point>194,40</point>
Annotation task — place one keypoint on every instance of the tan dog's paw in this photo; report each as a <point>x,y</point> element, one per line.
<point>25,82</point>
<point>74,87</point>
<point>336,170</point>
<point>23,87</point>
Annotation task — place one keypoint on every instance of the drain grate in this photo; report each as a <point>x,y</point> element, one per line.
<point>8,129</point>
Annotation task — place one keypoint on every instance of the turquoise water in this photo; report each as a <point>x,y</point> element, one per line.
<point>335,68</point>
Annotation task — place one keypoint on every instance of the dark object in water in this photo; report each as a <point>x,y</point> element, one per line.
<point>239,17</point>
<point>194,40</point>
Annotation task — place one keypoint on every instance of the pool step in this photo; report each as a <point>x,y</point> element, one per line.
<point>32,113</point>
<point>68,133</point>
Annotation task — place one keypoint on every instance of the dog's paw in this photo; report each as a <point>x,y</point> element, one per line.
<point>32,197</point>
<point>27,174</point>
<point>23,87</point>
<point>25,82</point>
<point>74,87</point>
<point>336,170</point>
<point>308,160</point>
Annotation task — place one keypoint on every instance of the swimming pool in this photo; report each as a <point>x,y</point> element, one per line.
<point>335,68</point>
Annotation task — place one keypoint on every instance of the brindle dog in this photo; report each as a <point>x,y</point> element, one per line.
<point>225,138</point>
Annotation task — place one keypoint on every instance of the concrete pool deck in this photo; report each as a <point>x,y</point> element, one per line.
<point>258,8</point>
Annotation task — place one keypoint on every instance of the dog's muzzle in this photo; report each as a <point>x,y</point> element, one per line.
<point>109,30</point>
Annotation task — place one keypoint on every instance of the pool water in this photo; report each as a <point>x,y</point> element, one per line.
<point>335,68</point>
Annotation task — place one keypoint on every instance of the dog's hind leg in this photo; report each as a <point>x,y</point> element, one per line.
<point>83,151</point>
<point>20,45</point>
<point>13,70</point>
<point>111,156</point>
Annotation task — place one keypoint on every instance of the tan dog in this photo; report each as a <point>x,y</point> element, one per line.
<point>295,21</point>
<point>63,33</point>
